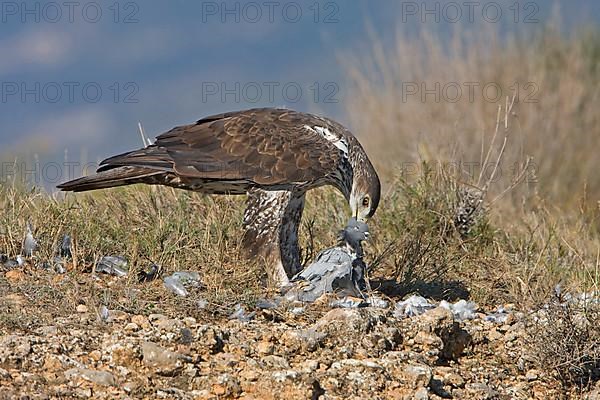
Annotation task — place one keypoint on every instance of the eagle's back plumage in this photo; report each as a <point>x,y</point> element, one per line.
<point>262,147</point>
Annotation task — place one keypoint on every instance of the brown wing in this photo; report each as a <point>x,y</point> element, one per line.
<point>265,146</point>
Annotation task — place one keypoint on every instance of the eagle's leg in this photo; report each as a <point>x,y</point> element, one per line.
<point>271,222</point>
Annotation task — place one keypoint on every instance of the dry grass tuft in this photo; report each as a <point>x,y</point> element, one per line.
<point>564,340</point>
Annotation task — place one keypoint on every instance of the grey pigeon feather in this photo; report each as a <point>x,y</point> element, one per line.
<point>29,244</point>
<point>64,249</point>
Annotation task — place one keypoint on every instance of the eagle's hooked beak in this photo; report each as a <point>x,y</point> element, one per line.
<point>354,207</point>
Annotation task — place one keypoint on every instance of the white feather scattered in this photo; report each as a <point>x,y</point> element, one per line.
<point>414,305</point>
<point>462,309</point>
<point>30,245</point>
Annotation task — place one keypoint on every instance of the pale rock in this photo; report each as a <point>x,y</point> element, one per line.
<point>102,378</point>
<point>164,361</point>
<point>417,375</point>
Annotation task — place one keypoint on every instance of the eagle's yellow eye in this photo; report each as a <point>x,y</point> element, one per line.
<point>366,201</point>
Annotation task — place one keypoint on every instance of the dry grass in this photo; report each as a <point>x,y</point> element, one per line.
<point>564,341</point>
<point>174,229</point>
<point>557,126</point>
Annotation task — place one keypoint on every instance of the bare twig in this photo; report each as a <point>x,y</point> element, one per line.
<point>487,156</point>
<point>507,111</point>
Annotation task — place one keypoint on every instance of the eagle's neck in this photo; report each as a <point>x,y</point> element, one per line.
<point>343,178</point>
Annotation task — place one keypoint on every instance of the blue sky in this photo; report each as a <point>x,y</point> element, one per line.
<point>78,76</point>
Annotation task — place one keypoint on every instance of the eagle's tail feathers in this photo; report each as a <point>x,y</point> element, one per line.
<point>120,176</point>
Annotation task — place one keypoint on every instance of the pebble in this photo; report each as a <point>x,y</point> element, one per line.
<point>532,375</point>
<point>164,361</point>
<point>417,376</point>
<point>265,348</point>
<point>103,378</point>
<point>82,308</point>
<point>131,327</point>
<point>14,276</point>
<point>276,362</point>
<point>141,321</point>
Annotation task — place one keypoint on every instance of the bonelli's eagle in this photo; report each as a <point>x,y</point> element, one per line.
<point>272,155</point>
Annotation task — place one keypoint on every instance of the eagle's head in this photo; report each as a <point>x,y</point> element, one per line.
<point>366,190</point>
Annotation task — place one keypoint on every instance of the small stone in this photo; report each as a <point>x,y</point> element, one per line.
<point>165,362</point>
<point>130,387</point>
<point>14,300</point>
<point>282,376</point>
<point>168,324</point>
<point>118,315</point>
<point>219,390</point>
<point>13,349</point>
<point>265,348</point>
<point>186,336</point>
<point>124,353</point>
<point>141,321</point>
<point>276,362</point>
<point>52,363</point>
<point>156,317</point>
<point>95,355</point>
<point>595,393</point>
<point>532,375</point>
<point>428,339</point>
<point>440,322</point>
<point>226,361</point>
<point>494,335</point>
<point>103,378</point>
<point>249,374</point>
<point>480,391</point>
<point>241,314</point>
<point>421,394</point>
<point>309,366</point>
<point>48,330</point>
<point>354,320</point>
<point>131,327</point>
<point>303,339</point>
<point>82,308</point>
<point>227,386</point>
<point>454,380</point>
<point>14,275</point>
<point>417,375</point>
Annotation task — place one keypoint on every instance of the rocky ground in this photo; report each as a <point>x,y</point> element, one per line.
<point>276,353</point>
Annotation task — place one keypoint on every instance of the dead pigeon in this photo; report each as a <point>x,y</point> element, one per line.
<point>338,269</point>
